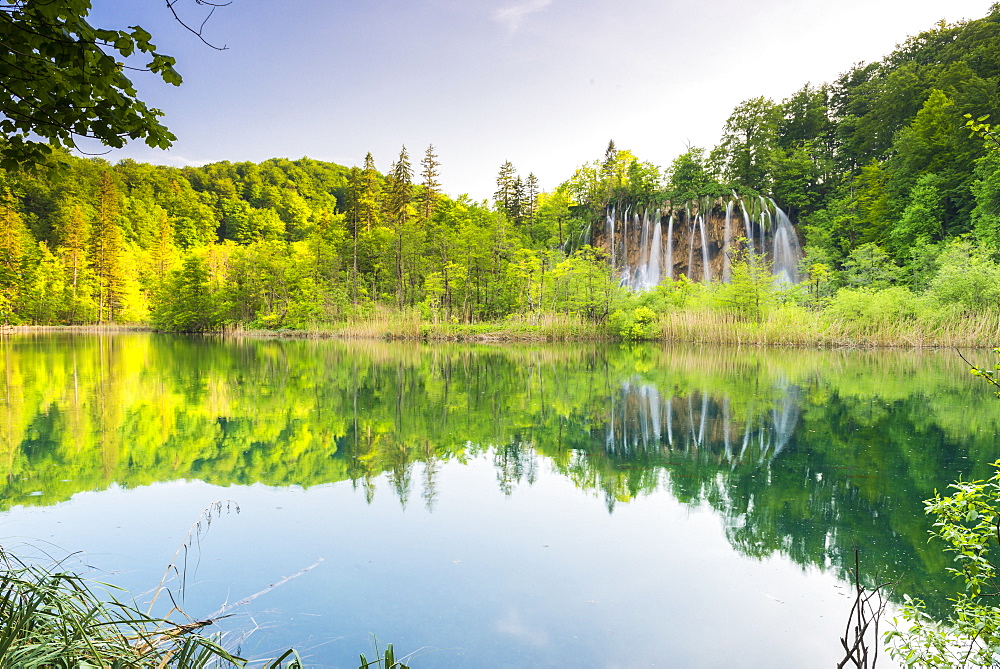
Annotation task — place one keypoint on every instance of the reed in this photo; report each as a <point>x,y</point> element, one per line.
<point>54,618</point>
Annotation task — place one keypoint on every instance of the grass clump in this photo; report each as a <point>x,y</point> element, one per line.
<point>52,617</point>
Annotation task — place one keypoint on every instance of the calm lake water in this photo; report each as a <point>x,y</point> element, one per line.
<point>517,506</point>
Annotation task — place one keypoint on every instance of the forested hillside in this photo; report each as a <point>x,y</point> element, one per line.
<point>889,186</point>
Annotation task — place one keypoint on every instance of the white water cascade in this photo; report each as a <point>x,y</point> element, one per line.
<point>643,253</point>
<point>787,252</point>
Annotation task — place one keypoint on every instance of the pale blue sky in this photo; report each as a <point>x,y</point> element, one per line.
<point>542,83</point>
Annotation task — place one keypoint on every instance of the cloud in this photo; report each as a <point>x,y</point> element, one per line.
<point>512,15</point>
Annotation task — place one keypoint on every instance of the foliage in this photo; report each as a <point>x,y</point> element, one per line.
<point>968,277</point>
<point>635,325</point>
<point>869,309</point>
<point>750,291</point>
<point>62,79</point>
<point>968,522</point>
<point>53,617</point>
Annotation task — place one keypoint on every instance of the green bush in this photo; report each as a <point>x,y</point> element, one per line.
<point>967,523</point>
<point>750,293</point>
<point>966,276</point>
<point>635,325</point>
<point>869,308</point>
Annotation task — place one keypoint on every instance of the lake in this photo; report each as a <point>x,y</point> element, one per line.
<point>586,505</point>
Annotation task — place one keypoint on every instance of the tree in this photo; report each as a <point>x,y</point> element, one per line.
<point>748,140</point>
<point>505,195</point>
<point>399,195</point>
<point>107,249</point>
<point>61,79</point>
<point>370,194</point>
<point>13,240</point>
<point>688,177</point>
<point>431,187</point>
<point>530,197</point>
<point>74,254</point>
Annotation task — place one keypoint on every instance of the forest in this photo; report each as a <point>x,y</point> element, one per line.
<point>891,172</point>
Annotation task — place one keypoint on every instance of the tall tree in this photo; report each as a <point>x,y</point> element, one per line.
<point>530,197</point>
<point>506,192</point>
<point>370,194</point>
<point>14,238</point>
<point>431,188</point>
<point>399,195</point>
<point>108,244</point>
<point>744,155</point>
<point>74,254</point>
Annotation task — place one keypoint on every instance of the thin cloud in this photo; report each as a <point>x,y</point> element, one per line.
<point>512,15</point>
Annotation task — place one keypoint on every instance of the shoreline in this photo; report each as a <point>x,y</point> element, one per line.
<point>764,337</point>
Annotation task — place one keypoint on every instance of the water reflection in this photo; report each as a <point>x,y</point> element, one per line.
<point>806,453</point>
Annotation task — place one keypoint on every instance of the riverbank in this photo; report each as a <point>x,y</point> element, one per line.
<point>785,326</point>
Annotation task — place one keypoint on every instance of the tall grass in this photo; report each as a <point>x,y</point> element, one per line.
<point>796,326</point>
<point>51,617</point>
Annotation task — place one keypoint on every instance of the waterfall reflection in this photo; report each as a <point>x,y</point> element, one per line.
<point>644,420</point>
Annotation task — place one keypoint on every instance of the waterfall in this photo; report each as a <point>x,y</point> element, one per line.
<point>786,252</point>
<point>624,244</point>
<point>706,268</point>
<point>670,248</point>
<point>692,223</point>
<point>746,220</point>
<point>638,252</point>
<point>611,235</point>
<point>653,267</point>
<point>727,238</point>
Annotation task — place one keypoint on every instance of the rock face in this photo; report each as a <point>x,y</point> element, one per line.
<point>697,239</point>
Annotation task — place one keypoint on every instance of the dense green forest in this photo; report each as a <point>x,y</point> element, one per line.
<point>897,201</point>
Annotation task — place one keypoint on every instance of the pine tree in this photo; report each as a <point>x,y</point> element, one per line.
<point>530,197</point>
<point>504,196</point>
<point>608,171</point>
<point>399,195</point>
<point>399,189</point>
<point>370,193</point>
<point>517,207</point>
<point>431,188</point>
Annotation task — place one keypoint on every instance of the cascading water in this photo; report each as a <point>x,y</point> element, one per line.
<point>705,267</point>
<point>670,248</point>
<point>727,238</point>
<point>643,253</point>
<point>787,252</point>
<point>692,224</point>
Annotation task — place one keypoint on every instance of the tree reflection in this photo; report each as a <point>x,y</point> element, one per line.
<point>802,452</point>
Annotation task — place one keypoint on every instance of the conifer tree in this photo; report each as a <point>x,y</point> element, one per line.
<point>505,193</point>
<point>431,188</point>
<point>370,193</point>
<point>530,197</point>
<point>399,189</point>
<point>399,195</point>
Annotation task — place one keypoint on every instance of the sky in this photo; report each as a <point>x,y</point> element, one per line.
<point>544,84</point>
